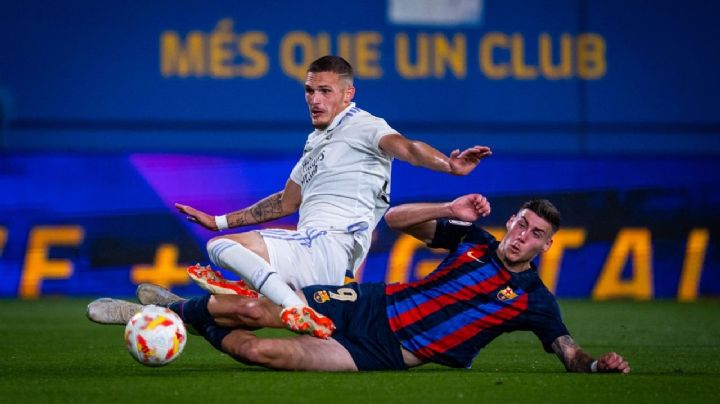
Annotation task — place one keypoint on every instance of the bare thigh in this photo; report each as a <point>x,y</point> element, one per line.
<point>298,353</point>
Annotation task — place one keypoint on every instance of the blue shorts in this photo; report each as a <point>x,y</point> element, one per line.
<point>358,311</point>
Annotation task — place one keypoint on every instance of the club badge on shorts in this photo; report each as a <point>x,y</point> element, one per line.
<point>321,296</point>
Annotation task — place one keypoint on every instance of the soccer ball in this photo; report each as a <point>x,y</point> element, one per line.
<point>155,336</point>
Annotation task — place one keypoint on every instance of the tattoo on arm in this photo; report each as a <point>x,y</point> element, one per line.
<point>266,209</point>
<point>571,355</point>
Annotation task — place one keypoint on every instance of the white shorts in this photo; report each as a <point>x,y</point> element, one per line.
<point>309,256</point>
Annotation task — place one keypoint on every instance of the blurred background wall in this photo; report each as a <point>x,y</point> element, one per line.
<point>110,112</point>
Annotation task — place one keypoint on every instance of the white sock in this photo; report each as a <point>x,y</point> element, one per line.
<point>255,270</point>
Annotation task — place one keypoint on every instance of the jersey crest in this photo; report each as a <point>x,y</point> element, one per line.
<point>506,294</point>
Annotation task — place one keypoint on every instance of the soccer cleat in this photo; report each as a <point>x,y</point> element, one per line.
<point>215,283</point>
<point>305,320</point>
<point>112,311</point>
<point>147,293</point>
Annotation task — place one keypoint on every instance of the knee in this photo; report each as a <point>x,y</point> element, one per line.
<point>250,240</point>
<point>242,350</point>
<point>251,351</point>
<point>219,247</point>
<point>214,240</point>
<point>217,241</point>
<point>255,352</point>
<point>215,246</point>
<point>247,309</point>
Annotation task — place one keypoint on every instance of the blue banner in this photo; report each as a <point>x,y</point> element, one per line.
<point>598,76</point>
<point>98,225</point>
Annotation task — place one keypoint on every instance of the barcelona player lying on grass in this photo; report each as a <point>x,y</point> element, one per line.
<point>483,288</point>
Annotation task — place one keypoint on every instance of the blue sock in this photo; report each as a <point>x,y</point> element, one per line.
<point>213,333</point>
<point>193,310</point>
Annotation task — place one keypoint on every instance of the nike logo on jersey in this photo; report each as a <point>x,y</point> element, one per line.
<point>470,254</point>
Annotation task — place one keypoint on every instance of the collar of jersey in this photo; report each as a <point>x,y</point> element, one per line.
<point>523,279</point>
<point>339,118</point>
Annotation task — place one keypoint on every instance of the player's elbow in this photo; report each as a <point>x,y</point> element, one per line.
<point>292,207</point>
<point>392,218</point>
<point>289,204</point>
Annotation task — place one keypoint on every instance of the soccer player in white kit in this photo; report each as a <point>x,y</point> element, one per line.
<point>341,185</point>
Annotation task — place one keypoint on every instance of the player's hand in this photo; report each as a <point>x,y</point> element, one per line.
<point>612,362</point>
<point>470,207</point>
<point>196,216</point>
<point>462,163</point>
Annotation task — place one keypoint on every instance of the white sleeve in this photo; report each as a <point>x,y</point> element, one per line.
<point>383,129</point>
<point>296,173</point>
<point>371,130</point>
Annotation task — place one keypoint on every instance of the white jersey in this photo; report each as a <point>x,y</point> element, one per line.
<point>345,177</point>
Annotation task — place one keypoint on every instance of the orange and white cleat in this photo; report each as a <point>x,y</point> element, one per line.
<point>305,320</point>
<point>215,283</point>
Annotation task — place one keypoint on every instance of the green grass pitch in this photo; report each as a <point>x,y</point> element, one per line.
<point>52,353</point>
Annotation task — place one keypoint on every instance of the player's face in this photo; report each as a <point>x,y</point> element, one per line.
<point>326,94</point>
<point>528,235</point>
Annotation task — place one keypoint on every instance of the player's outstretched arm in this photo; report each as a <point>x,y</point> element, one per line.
<point>422,154</point>
<point>462,163</point>
<point>576,360</point>
<point>277,205</point>
<point>418,219</point>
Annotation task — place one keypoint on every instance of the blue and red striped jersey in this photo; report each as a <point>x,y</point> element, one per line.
<point>469,300</point>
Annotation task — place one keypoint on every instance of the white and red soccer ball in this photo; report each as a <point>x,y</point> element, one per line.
<point>155,336</point>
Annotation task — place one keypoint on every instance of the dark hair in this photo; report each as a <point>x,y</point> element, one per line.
<point>335,64</point>
<point>546,210</point>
